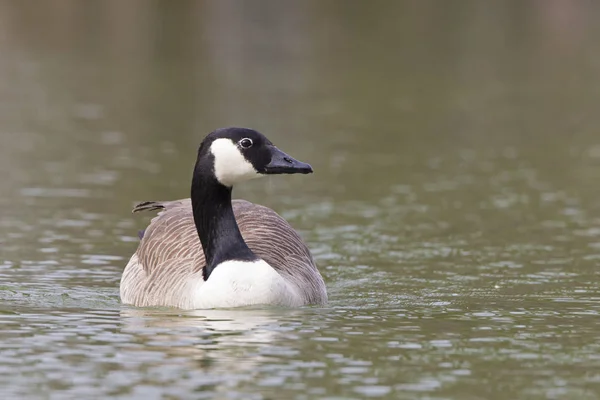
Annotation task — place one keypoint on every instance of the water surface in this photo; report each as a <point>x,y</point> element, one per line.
<point>453,211</point>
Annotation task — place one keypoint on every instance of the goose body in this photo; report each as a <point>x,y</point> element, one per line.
<point>208,251</point>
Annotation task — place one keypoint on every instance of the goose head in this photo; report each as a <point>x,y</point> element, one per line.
<point>236,155</point>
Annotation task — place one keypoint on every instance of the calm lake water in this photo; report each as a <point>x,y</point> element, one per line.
<point>454,210</point>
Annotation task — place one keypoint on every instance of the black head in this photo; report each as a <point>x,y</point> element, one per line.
<point>240,154</point>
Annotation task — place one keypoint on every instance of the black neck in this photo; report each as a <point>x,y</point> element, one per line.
<point>215,222</point>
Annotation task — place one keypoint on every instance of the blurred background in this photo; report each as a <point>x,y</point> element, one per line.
<point>454,210</point>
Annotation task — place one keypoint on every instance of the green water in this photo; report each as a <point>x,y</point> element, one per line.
<point>454,211</point>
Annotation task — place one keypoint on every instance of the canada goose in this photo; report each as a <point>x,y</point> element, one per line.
<point>212,252</point>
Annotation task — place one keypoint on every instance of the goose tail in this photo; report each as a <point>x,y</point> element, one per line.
<point>149,206</point>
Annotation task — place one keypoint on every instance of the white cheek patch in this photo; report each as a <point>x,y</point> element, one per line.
<point>230,165</point>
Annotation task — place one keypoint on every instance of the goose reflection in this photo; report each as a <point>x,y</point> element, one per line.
<point>198,330</point>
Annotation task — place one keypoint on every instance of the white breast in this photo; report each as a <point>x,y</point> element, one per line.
<point>244,283</point>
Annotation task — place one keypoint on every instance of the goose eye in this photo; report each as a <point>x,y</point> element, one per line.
<point>245,143</point>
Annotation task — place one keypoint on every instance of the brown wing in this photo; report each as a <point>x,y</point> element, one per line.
<point>271,238</point>
<point>171,235</point>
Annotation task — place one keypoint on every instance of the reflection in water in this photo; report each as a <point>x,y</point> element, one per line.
<point>453,210</point>
<point>246,325</point>
<point>231,342</point>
